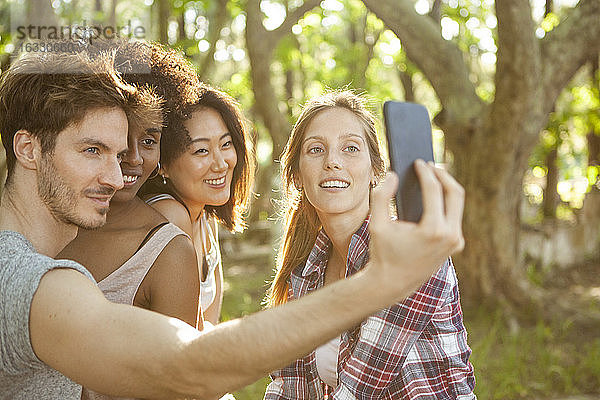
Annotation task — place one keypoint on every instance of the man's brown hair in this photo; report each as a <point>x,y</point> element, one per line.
<point>45,92</point>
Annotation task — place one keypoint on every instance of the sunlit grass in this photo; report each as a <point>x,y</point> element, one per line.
<point>245,286</point>
<point>539,361</point>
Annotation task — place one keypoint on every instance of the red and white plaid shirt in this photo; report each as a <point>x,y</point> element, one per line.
<point>416,349</point>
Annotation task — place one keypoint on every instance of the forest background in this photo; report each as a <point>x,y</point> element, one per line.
<point>513,91</point>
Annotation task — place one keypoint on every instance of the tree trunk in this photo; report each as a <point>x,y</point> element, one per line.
<point>550,193</point>
<point>367,51</point>
<point>289,90</point>
<point>215,26</point>
<point>98,12</point>
<point>261,45</point>
<point>490,267</point>
<point>113,14</point>
<point>591,206</point>
<point>260,53</point>
<point>181,26</point>
<point>593,140</point>
<point>263,186</point>
<point>163,21</point>
<point>41,14</point>
<point>436,11</point>
<point>407,84</point>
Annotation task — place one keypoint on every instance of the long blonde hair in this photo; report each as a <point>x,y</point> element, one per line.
<point>301,222</point>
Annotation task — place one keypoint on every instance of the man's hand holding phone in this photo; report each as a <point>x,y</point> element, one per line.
<point>410,252</point>
<point>430,204</point>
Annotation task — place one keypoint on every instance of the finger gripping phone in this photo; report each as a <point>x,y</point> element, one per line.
<point>408,132</point>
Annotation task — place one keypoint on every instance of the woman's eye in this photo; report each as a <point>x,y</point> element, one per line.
<point>92,150</point>
<point>148,142</point>
<point>352,149</point>
<point>314,150</point>
<point>201,151</point>
<point>227,144</point>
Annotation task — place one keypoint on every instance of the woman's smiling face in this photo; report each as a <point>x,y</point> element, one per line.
<point>202,175</point>
<point>335,168</point>
<point>141,159</point>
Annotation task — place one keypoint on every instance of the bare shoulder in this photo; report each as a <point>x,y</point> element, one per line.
<point>175,212</point>
<point>178,256</point>
<point>180,246</point>
<point>173,281</point>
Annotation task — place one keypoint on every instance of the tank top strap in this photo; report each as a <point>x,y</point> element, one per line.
<point>158,197</point>
<point>208,235</point>
<point>150,251</point>
<point>122,285</point>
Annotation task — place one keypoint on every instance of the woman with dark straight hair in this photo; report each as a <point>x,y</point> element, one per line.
<point>205,177</point>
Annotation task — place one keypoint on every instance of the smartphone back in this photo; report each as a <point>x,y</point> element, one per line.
<point>408,132</point>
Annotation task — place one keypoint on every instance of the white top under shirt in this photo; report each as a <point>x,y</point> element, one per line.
<point>326,357</point>
<point>208,287</point>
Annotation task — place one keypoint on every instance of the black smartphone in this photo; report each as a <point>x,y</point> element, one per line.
<point>408,132</point>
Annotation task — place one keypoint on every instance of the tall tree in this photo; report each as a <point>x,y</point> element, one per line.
<point>550,193</point>
<point>591,206</point>
<point>164,11</point>
<point>112,18</point>
<point>216,24</point>
<point>492,141</point>
<point>362,41</point>
<point>260,44</point>
<point>40,14</point>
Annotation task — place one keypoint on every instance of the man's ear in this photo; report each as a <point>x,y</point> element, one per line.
<point>27,149</point>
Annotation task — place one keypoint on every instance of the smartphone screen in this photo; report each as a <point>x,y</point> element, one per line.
<point>408,132</point>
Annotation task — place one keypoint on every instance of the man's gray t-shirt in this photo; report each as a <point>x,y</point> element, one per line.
<point>22,374</point>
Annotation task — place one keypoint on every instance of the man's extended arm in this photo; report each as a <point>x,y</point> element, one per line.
<point>122,350</point>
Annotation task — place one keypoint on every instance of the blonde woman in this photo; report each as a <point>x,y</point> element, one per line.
<point>416,348</point>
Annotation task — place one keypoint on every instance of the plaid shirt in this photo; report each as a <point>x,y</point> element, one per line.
<point>414,349</point>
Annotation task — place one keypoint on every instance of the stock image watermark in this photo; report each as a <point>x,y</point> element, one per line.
<point>48,32</point>
<point>79,32</point>
<point>70,38</point>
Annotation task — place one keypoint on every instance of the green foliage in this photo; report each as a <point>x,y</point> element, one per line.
<point>472,26</point>
<point>550,22</point>
<point>576,115</point>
